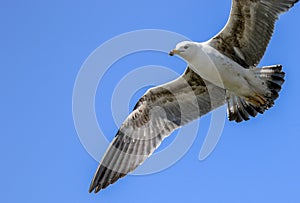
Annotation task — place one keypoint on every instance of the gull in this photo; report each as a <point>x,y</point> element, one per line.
<point>222,70</point>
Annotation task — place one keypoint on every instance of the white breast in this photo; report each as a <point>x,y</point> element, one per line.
<point>218,69</point>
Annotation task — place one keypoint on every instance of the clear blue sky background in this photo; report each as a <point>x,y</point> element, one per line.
<point>43,45</point>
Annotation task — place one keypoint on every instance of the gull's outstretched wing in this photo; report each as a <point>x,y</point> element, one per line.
<point>249,29</point>
<point>159,112</point>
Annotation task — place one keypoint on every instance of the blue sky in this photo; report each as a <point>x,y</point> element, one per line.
<point>43,46</point>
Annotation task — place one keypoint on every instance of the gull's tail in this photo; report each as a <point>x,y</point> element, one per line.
<point>241,108</point>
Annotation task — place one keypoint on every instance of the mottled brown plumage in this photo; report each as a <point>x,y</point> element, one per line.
<point>178,102</point>
<point>249,29</point>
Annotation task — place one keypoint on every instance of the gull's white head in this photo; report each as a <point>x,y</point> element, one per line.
<point>185,49</point>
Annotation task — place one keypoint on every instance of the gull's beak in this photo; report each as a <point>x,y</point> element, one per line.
<point>173,52</point>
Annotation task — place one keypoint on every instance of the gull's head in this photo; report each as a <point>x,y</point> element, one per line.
<point>184,49</point>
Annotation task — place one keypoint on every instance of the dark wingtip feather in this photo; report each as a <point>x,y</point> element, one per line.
<point>97,189</point>
<point>91,190</point>
<point>92,186</point>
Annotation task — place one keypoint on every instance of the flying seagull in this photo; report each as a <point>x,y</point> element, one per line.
<point>221,70</point>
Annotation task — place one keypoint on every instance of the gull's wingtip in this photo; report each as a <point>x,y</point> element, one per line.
<point>94,187</point>
<point>91,189</point>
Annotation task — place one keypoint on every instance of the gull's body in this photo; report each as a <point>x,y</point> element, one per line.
<point>221,70</point>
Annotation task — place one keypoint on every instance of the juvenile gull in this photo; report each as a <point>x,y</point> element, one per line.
<point>221,70</point>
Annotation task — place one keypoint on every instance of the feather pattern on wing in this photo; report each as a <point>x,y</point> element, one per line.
<point>159,112</point>
<point>249,29</point>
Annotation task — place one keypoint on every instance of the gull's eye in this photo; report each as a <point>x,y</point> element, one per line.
<point>186,47</point>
